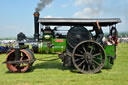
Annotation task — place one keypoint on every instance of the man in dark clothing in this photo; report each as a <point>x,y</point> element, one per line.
<point>99,33</point>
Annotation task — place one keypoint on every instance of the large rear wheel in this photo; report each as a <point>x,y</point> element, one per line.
<point>88,57</point>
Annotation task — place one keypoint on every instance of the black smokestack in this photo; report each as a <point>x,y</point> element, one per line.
<point>36,23</point>
<point>42,4</point>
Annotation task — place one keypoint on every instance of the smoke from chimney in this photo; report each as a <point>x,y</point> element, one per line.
<point>42,4</point>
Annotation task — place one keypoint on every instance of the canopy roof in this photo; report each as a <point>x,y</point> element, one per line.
<point>79,21</point>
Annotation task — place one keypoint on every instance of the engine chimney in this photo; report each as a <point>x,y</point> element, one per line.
<point>36,23</point>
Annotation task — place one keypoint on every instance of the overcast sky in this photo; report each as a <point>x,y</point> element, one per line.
<point>17,15</point>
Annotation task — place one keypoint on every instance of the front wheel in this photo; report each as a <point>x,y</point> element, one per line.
<point>26,59</point>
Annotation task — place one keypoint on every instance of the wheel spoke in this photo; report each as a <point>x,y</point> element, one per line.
<point>96,62</point>
<point>91,50</point>
<point>81,63</point>
<point>21,58</point>
<point>84,49</point>
<point>80,51</point>
<point>96,55</point>
<point>78,55</point>
<point>15,65</point>
<point>93,67</point>
<point>78,59</point>
<point>97,58</point>
<point>83,67</point>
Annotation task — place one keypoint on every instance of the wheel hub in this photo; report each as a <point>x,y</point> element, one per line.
<point>88,58</point>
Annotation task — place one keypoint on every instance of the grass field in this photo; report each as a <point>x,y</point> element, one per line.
<point>53,73</point>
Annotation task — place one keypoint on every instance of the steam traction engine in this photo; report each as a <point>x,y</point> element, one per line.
<point>79,48</point>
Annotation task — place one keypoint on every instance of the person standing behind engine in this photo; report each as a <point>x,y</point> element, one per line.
<point>99,32</point>
<point>110,41</point>
<point>114,37</point>
<point>114,34</point>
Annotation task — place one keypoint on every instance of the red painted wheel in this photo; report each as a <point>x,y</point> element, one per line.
<point>22,67</point>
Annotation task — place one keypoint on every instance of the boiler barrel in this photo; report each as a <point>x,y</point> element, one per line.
<point>56,46</point>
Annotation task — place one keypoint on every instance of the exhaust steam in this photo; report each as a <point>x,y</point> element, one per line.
<point>42,4</point>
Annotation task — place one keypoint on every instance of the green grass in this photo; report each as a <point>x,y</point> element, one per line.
<point>53,73</point>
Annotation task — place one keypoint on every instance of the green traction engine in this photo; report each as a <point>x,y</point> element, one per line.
<point>77,41</point>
